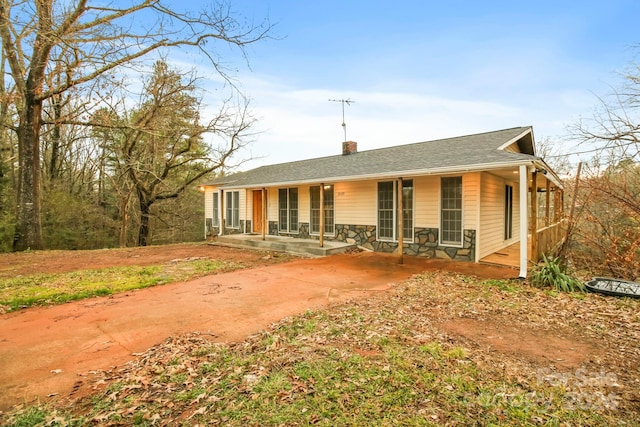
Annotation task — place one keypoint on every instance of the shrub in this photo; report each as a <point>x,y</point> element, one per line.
<point>552,273</point>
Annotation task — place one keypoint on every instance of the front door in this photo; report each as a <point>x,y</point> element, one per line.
<point>257,211</point>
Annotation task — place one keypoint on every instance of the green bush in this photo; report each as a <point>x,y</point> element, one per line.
<point>552,273</point>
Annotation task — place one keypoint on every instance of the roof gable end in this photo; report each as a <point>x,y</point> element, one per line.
<point>523,143</point>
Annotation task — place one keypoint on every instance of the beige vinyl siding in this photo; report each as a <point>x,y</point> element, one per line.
<point>426,190</point>
<point>492,214</point>
<point>243,205</point>
<point>470,197</point>
<point>247,212</point>
<point>303,204</point>
<point>355,202</point>
<point>272,204</point>
<point>208,201</point>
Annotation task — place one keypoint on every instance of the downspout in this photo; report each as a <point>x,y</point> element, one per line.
<point>524,222</point>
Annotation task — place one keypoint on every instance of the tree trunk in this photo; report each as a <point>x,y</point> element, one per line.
<point>55,140</point>
<point>28,233</point>
<point>124,211</point>
<point>143,232</point>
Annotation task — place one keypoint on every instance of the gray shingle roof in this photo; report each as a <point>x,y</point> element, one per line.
<point>457,153</point>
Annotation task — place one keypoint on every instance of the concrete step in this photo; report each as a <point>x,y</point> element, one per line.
<point>284,244</point>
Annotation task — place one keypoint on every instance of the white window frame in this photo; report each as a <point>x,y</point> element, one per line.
<point>232,206</point>
<point>215,222</point>
<point>412,207</point>
<point>395,186</point>
<point>327,224</point>
<point>451,243</point>
<point>289,228</point>
<point>393,210</point>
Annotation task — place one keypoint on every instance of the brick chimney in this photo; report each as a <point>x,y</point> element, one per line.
<point>349,147</point>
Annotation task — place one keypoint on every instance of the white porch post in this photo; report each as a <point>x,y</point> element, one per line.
<point>321,214</point>
<point>263,214</point>
<point>524,221</point>
<point>400,223</point>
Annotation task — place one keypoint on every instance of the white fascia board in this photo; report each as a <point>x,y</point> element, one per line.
<point>394,174</point>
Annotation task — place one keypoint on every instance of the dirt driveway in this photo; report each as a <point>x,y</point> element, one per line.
<point>52,350</point>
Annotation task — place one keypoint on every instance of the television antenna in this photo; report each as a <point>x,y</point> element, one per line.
<point>347,101</point>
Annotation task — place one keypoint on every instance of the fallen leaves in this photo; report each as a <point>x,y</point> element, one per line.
<point>389,358</point>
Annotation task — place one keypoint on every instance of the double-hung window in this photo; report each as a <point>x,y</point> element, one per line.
<point>407,209</point>
<point>233,209</point>
<point>388,210</point>
<point>451,210</point>
<point>215,222</point>
<point>288,210</point>
<point>329,218</point>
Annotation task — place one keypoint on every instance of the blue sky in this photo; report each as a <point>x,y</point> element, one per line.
<point>422,70</point>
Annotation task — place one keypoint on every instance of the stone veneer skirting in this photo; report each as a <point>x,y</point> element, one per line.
<point>425,241</point>
<point>239,230</point>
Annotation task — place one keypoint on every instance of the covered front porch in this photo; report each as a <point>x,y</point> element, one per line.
<point>548,240</point>
<point>543,211</point>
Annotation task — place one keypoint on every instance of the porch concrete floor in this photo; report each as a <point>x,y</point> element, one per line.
<point>285,244</point>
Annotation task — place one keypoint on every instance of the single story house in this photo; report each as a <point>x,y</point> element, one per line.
<point>461,198</point>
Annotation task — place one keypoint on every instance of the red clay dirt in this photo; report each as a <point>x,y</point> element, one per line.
<point>547,349</point>
<point>47,351</point>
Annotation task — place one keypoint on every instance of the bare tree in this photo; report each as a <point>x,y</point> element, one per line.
<point>163,146</point>
<point>612,132</point>
<point>87,40</point>
<point>607,231</point>
<point>552,151</point>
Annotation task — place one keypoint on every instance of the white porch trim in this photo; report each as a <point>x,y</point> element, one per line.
<point>524,220</point>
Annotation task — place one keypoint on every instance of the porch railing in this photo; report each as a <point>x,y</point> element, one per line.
<point>548,239</point>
